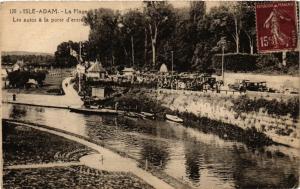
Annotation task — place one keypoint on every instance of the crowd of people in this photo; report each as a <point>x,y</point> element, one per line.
<point>166,81</point>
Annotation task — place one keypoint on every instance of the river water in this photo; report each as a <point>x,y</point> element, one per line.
<point>199,159</point>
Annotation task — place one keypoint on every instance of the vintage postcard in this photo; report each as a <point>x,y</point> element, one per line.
<point>150,94</point>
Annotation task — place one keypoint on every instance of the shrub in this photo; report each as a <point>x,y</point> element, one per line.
<point>281,108</point>
<point>256,62</point>
<point>267,61</point>
<point>235,62</point>
<point>292,58</point>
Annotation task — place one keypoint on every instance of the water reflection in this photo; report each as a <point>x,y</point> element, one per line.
<point>155,153</point>
<point>202,160</point>
<point>57,118</point>
<point>17,112</point>
<point>193,156</point>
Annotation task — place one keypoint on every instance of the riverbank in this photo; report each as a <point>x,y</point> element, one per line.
<point>217,113</point>
<point>281,128</point>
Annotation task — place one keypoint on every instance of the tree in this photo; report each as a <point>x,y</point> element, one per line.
<point>132,34</point>
<point>158,14</point>
<point>197,11</point>
<point>233,20</point>
<point>39,77</point>
<point>248,22</point>
<point>201,60</point>
<point>202,37</point>
<point>103,36</point>
<point>220,23</point>
<point>63,58</point>
<point>18,78</point>
<point>236,13</point>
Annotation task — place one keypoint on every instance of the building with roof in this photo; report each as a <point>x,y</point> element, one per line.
<point>96,71</point>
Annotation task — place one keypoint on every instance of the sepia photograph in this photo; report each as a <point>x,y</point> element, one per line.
<point>150,94</point>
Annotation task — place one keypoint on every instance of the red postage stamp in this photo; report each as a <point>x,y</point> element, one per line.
<point>276,26</point>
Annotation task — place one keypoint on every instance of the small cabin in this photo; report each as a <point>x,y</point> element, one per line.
<point>96,71</point>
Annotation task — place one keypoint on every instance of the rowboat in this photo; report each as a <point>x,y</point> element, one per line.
<point>147,115</point>
<point>174,118</point>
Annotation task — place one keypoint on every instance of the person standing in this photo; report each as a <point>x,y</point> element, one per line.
<point>14,97</point>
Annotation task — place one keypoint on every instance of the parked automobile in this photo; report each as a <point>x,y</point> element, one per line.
<point>244,85</point>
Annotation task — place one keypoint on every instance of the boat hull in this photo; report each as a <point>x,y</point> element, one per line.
<point>174,118</point>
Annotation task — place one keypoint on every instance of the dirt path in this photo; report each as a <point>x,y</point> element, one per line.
<point>71,96</point>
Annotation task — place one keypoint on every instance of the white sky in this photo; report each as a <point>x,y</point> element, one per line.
<point>44,37</point>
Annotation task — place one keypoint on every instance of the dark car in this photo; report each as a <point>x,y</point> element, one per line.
<point>244,85</point>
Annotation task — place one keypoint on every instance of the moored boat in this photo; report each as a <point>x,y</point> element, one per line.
<point>147,115</point>
<point>174,118</point>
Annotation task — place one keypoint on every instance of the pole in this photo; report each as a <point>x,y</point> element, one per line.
<point>132,50</point>
<point>284,58</point>
<point>172,52</point>
<point>79,82</point>
<point>223,64</point>
<point>79,62</point>
<point>80,52</point>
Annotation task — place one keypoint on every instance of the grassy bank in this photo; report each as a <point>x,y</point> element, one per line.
<point>71,177</point>
<point>24,145</point>
<point>244,104</point>
<point>250,136</point>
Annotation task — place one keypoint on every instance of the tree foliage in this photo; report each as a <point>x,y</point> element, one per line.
<point>19,78</point>
<point>63,58</point>
<point>145,38</point>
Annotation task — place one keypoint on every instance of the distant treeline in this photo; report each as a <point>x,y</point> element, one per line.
<point>32,60</point>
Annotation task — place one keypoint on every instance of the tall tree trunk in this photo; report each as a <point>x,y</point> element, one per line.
<point>250,43</point>
<point>251,48</point>
<point>153,34</point>
<point>237,37</point>
<point>145,47</point>
<point>153,44</point>
<point>132,50</point>
<point>112,59</point>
